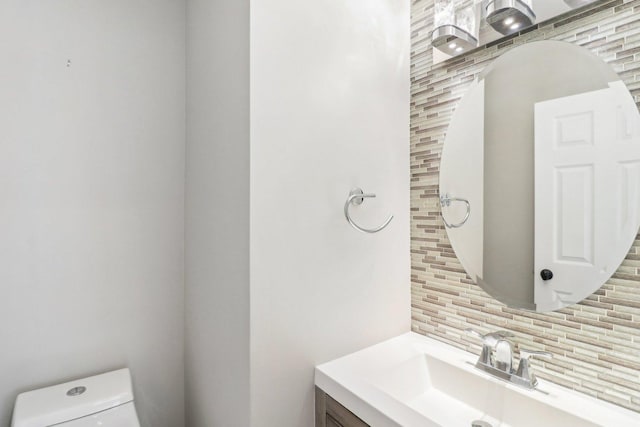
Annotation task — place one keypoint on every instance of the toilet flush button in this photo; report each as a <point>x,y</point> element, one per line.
<point>76,391</point>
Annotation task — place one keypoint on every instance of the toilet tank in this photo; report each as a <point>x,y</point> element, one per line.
<point>106,396</point>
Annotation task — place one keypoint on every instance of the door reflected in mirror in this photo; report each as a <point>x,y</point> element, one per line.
<point>545,147</point>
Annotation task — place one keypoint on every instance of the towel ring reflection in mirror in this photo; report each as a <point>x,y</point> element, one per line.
<point>356,197</point>
<point>445,200</point>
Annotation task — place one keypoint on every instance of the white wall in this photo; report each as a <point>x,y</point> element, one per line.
<point>91,197</point>
<point>329,111</point>
<point>217,213</point>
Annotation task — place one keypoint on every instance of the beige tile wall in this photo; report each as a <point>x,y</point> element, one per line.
<point>597,342</point>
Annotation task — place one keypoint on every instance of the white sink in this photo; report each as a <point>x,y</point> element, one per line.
<point>412,380</point>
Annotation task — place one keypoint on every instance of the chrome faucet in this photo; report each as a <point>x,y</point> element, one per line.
<point>496,358</point>
<point>524,375</point>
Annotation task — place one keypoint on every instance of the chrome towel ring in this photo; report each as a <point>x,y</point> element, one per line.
<point>356,197</point>
<point>445,200</point>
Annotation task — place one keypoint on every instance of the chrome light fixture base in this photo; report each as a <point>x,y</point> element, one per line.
<point>509,16</point>
<point>575,4</point>
<point>453,40</point>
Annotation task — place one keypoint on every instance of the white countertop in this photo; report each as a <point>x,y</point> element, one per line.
<point>388,384</point>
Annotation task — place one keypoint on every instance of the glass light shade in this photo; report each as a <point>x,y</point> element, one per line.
<point>443,13</point>
<point>466,16</point>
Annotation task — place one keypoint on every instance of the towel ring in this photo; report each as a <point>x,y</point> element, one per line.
<point>356,197</point>
<point>445,200</point>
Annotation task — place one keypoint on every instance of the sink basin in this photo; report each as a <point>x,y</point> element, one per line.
<point>412,380</point>
<point>426,384</point>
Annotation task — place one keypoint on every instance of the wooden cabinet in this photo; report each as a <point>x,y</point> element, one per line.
<point>330,413</point>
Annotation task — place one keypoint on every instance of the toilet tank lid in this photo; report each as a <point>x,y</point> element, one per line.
<point>73,399</point>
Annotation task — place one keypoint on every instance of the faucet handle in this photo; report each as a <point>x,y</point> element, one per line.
<point>524,372</point>
<point>527,354</point>
<point>501,334</point>
<point>492,338</point>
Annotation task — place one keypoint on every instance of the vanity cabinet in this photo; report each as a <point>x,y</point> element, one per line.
<point>330,413</point>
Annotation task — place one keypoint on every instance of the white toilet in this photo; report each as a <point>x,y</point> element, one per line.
<point>104,400</point>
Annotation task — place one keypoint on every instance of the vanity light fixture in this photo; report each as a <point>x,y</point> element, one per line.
<point>460,26</point>
<point>455,28</point>
<point>507,16</point>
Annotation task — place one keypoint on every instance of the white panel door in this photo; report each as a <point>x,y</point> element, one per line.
<point>587,179</point>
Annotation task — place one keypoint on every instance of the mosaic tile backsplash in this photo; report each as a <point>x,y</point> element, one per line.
<point>596,343</point>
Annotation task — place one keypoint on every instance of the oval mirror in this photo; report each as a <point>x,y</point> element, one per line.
<point>540,176</point>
